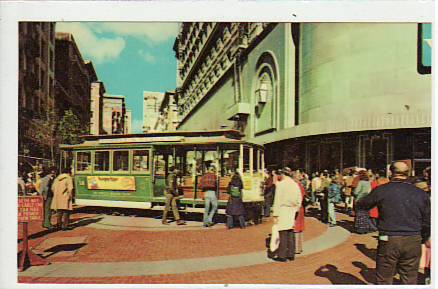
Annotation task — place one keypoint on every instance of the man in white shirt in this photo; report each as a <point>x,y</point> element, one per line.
<point>287,202</point>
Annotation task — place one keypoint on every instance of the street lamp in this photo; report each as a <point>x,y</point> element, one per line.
<point>262,93</point>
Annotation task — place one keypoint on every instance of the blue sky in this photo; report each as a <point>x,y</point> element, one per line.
<point>128,57</point>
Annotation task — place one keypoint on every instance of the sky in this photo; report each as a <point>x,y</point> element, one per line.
<point>129,58</point>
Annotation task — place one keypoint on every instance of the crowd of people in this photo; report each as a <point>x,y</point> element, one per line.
<point>397,206</point>
<point>56,192</point>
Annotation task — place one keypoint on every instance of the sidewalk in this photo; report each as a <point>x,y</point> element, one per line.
<point>151,254</point>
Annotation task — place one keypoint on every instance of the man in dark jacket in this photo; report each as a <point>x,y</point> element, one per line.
<point>47,193</point>
<point>404,221</point>
<point>171,194</point>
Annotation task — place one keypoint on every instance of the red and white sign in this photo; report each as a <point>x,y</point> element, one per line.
<point>30,208</point>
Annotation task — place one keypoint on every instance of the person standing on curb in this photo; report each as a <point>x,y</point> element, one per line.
<point>334,191</point>
<point>268,194</point>
<point>47,193</point>
<point>287,202</point>
<point>209,184</point>
<point>62,201</point>
<point>171,194</point>
<point>235,206</point>
<point>404,222</point>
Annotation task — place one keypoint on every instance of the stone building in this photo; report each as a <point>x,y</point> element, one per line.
<point>151,106</point>
<point>96,107</point>
<point>35,83</point>
<point>73,79</point>
<point>168,113</point>
<point>316,95</point>
<point>128,122</point>
<point>113,114</point>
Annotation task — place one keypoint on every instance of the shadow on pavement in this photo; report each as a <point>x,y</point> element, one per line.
<point>367,273</point>
<point>63,248</point>
<point>335,276</point>
<point>370,253</point>
<point>82,222</point>
<point>347,225</point>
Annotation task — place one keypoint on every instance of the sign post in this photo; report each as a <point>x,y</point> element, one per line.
<point>30,208</point>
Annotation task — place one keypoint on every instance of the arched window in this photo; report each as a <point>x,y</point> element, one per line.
<point>265,95</point>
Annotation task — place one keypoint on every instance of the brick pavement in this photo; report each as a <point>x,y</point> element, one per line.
<point>349,263</point>
<point>113,246</point>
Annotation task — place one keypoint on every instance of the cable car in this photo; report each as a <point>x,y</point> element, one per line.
<point>129,171</point>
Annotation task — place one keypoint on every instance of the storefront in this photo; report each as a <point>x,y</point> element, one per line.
<point>369,149</point>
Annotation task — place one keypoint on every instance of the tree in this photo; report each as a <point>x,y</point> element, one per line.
<point>42,131</point>
<point>69,128</point>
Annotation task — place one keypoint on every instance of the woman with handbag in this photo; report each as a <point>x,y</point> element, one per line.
<point>235,208</point>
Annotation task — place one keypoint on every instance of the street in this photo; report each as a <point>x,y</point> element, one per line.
<point>134,249</point>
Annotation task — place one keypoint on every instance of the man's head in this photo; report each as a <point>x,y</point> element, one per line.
<point>66,171</point>
<point>211,169</point>
<point>399,170</point>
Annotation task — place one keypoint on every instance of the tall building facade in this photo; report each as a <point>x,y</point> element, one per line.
<point>35,83</point>
<point>316,95</point>
<point>168,118</point>
<point>96,107</point>
<point>113,114</point>
<point>73,79</point>
<point>151,106</point>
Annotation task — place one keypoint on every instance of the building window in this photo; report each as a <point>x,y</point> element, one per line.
<point>101,161</point>
<point>121,161</point>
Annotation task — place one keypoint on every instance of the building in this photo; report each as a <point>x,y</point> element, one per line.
<point>316,95</point>
<point>168,113</point>
<point>73,79</point>
<point>113,114</point>
<point>35,84</point>
<point>151,106</point>
<point>128,122</point>
<point>96,107</point>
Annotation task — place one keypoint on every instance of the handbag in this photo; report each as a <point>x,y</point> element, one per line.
<point>235,192</point>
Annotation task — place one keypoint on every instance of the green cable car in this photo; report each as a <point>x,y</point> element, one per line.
<point>129,171</point>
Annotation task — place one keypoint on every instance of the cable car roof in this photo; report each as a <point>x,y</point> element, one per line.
<point>161,138</point>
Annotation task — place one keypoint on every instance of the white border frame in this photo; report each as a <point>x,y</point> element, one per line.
<point>209,10</point>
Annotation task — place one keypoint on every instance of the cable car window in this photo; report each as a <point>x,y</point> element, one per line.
<point>83,161</point>
<point>140,160</point>
<point>230,161</point>
<point>101,161</point>
<point>121,161</point>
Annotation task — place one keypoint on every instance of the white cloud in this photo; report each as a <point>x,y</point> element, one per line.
<point>146,56</point>
<point>137,126</point>
<point>99,49</point>
<point>155,32</point>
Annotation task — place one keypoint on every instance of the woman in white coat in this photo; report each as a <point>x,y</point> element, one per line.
<point>287,202</point>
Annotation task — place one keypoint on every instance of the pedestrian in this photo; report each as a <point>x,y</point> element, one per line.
<point>235,208</point>
<point>21,184</point>
<point>323,196</point>
<point>62,201</point>
<point>299,220</point>
<point>268,194</point>
<point>287,202</point>
<point>171,194</point>
<point>334,191</point>
<point>315,187</point>
<point>362,220</point>
<point>209,184</point>
<point>46,182</point>
<point>404,221</point>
